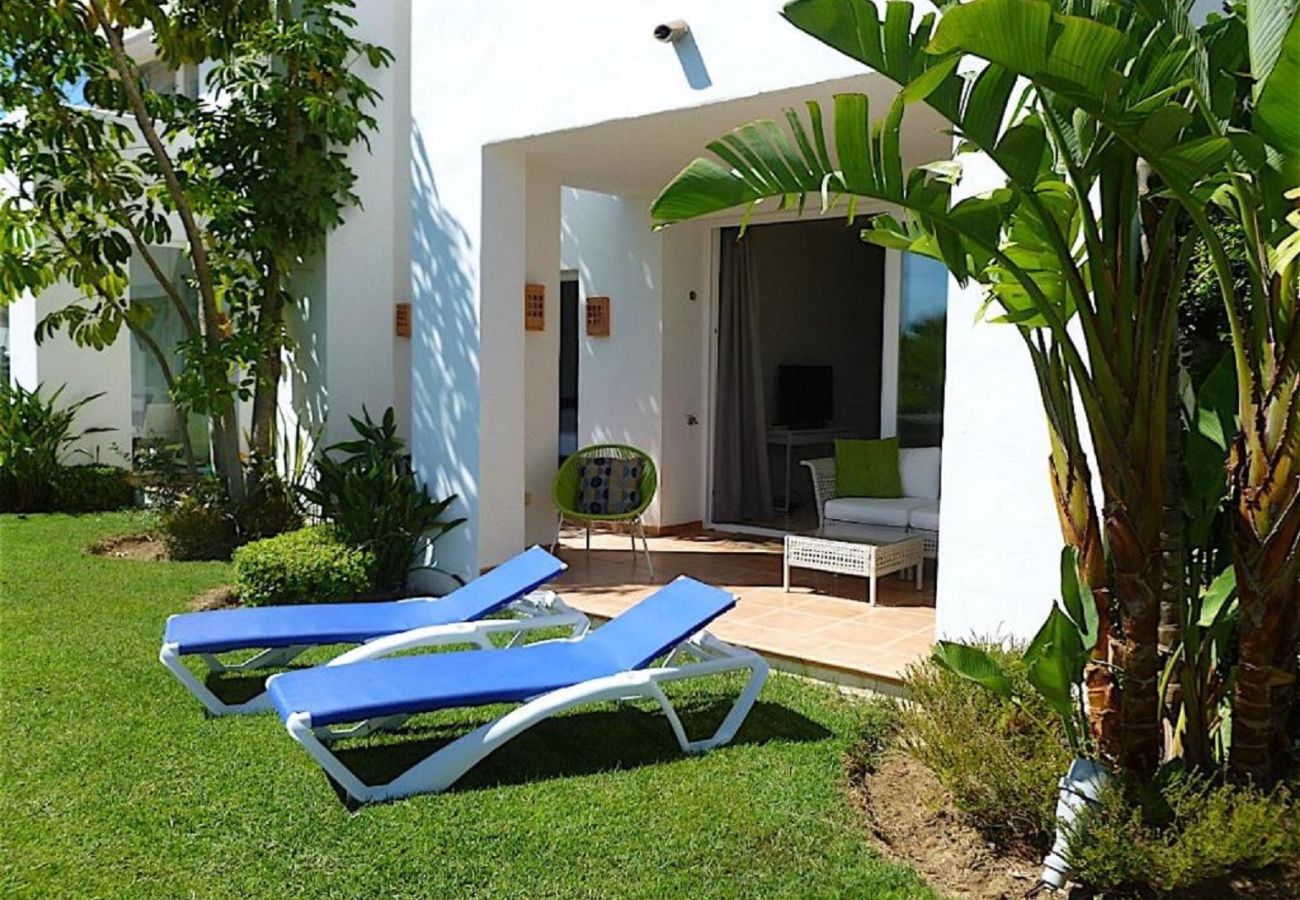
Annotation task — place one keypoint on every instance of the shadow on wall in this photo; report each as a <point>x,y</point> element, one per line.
<point>445,364</point>
<point>307,398</point>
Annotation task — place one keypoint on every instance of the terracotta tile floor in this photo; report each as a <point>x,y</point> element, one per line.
<point>822,628</point>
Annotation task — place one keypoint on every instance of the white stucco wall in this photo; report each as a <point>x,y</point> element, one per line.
<point>367,263</point>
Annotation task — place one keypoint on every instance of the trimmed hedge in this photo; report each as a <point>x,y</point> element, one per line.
<point>310,565</point>
<point>93,488</point>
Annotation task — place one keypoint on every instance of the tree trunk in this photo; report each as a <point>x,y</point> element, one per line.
<point>270,368</point>
<point>225,424</point>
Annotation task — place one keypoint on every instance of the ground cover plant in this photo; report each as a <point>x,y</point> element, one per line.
<point>116,785</point>
<point>992,756</point>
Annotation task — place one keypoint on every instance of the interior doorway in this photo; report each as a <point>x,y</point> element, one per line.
<point>799,363</point>
<point>569,310</point>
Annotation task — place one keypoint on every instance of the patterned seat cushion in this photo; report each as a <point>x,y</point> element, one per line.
<point>609,486</point>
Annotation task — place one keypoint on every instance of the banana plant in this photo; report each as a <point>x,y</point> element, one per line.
<point>1224,133</point>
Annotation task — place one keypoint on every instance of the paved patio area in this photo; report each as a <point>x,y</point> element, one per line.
<point>822,628</point>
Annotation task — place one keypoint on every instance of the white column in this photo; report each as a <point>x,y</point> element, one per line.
<point>999,541</point>
<point>541,354</point>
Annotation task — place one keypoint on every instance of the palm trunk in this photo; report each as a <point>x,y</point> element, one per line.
<point>1175,591</point>
<point>1139,576</point>
<point>1268,570</point>
<point>1072,488</point>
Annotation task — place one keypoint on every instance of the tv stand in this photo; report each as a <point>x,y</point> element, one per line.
<point>791,437</point>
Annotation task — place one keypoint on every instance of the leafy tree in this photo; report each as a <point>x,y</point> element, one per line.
<point>249,178</point>
<point>1116,127</point>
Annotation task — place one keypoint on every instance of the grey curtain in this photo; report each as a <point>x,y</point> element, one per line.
<point>742,488</point>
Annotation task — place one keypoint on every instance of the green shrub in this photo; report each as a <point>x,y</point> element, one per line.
<point>1000,765</point>
<point>369,493</point>
<point>1190,832</point>
<point>93,488</point>
<point>34,433</point>
<point>199,526</point>
<point>271,505</point>
<point>311,565</point>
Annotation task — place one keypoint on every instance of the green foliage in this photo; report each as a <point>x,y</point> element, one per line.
<point>271,505</point>
<point>35,433</point>
<point>1053,661</point>
<point>999,759</point>
<point>1183,834</point>
<point>310,565</point>
<point>93,488</point>
<point>256,179</point>
<point>200,526</point>
<point>370,495</point>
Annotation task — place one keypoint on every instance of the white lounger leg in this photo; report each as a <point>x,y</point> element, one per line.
<point>536,611</point>
<point>444,767</point>
<point>170,657</point>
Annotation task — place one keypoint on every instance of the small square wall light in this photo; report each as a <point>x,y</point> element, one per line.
<point>534,307</point>
<point>402,320</point>
<point>597,317</point>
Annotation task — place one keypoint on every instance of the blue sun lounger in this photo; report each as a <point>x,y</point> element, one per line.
<point>610,663</point>
<point>280,633</point>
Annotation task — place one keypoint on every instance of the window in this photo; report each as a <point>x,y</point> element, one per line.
<point>153,417</point>
<point>921,348</point>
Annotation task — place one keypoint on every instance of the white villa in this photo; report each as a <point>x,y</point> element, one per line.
<point>520,146</point>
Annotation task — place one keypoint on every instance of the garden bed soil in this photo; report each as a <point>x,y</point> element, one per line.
<point>220,597</point>
<point>144,546</point>
<point>912,817</point>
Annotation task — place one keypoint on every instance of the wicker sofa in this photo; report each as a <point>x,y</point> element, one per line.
<point>917,511</point>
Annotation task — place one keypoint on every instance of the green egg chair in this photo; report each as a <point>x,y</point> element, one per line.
<point>569,488</point>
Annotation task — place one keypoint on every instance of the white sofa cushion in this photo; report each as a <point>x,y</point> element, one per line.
<point>924,517</point>
<point>872,510</point>
<point>919,467</point>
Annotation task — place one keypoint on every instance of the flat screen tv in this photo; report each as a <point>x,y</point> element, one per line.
<point>804,396</point>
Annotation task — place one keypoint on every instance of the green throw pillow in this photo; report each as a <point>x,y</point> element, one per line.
<point>867,469</point>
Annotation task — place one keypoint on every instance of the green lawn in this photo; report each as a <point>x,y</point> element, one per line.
<point>114,784</point>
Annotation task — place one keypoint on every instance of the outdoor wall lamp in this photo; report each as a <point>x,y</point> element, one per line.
<point>672,32</point>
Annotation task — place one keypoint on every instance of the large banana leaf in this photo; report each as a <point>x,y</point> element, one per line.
<point>1274,37</point>
<point>761,161</point>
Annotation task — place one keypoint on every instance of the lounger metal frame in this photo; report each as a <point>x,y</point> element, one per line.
<point>442,768</point>
<point>535,611</point>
